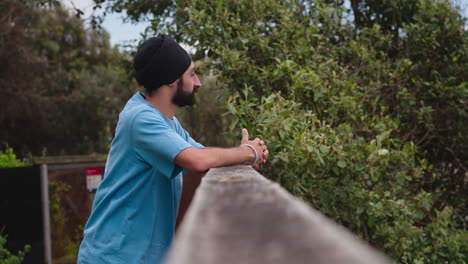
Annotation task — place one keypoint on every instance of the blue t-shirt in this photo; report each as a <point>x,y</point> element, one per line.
<point>135,206</point>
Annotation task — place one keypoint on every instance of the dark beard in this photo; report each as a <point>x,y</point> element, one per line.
<point>183,98</point>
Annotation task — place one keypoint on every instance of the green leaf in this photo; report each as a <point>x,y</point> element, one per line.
<point>341,164</point>
<point>324,149</point>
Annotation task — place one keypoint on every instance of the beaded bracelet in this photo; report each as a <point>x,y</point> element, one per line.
<point>256,154</point>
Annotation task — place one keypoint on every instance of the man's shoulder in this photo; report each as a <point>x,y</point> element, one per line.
<point>136,109</point>
<point>136,105</point>
<point>141,111</point>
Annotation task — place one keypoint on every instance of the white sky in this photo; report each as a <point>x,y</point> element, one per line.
<point>126,32</point>
<point>121,32</point>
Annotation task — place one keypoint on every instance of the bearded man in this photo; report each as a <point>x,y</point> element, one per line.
<point>135,207</point>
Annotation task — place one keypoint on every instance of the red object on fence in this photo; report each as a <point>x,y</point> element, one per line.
<point>93,178</point>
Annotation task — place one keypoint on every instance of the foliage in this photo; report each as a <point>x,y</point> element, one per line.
<point>67,84</point>
<point>369,185</point>
<point>8,159</point>
<point>63,245</point>
<point>6,257</point>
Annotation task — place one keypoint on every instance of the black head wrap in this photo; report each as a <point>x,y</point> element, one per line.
<point>160,61</point>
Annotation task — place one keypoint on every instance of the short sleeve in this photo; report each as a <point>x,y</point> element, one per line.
<point>192,142</point>
<point>157,144</point>
<point>186,135</point>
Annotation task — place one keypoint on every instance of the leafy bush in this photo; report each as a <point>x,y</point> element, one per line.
<point>65,245</point>
<point>6,257</point>
<point>8,159</point>
<point>370,186</point>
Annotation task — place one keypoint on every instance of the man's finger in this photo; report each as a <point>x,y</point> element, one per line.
<point>245,134</point>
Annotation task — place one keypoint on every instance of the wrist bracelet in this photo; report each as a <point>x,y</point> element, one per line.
<point>256,154</point>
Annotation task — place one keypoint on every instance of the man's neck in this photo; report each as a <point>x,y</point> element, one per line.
<point>163,102</point>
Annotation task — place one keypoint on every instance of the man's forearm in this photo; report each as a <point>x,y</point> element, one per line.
<point>204,159</point>
<point>218,157</point>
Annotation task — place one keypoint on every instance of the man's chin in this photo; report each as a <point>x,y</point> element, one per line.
<point>185,103</point>
<point>193,102</point>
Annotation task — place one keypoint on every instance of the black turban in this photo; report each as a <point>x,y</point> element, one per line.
<point>160,61</point>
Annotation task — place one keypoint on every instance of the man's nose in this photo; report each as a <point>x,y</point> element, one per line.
<point>197,82</point>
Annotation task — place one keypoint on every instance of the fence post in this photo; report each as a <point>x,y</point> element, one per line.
<point>46,213</point>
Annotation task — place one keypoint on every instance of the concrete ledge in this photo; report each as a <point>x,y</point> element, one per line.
<point>239,216</point>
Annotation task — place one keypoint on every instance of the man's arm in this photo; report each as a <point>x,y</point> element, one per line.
<point>203,159</point>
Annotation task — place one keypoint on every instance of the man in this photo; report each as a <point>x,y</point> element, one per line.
<point>135,207</point>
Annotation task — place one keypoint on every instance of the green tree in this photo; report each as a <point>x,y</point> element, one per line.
<point>62,81</point>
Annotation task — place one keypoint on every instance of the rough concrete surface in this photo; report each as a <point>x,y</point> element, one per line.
<point>239,216</point>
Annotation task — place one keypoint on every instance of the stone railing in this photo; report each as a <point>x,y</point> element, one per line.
<point>239,216</point>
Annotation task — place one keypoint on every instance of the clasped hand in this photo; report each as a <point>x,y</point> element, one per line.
<point>259,146</point>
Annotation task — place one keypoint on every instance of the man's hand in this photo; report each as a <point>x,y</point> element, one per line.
<point>259,146</point>
<point>201,160</point>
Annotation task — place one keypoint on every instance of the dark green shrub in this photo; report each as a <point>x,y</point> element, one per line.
<point>8,159</point>
<point>6,257</point>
